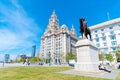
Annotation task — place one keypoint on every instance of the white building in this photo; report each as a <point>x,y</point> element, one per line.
<point>57,41</point>
<point>106,35</point>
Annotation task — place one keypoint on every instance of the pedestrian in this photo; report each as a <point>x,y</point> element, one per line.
<point>102,67</point>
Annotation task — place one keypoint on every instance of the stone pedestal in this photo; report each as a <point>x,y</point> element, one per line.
<point>87,56</point>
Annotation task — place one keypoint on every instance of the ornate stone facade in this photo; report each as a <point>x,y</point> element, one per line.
<point>57,41</point>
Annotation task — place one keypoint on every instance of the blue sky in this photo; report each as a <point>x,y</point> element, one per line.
<point>22,22</point>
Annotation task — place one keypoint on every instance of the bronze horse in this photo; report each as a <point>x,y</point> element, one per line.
<point>84,30</point>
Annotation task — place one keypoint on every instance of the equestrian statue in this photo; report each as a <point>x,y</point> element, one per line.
<point>84,30</point>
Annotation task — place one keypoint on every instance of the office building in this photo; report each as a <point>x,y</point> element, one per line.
<point>33,51</point>
<point>57,40</point>
<point>7,58</point>
<point>106,35</point>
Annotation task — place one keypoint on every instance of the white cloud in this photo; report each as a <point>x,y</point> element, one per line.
<point>8,39</point>
<point>17,29</point>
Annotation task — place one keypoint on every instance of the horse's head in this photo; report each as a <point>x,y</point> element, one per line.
<point>81,22</point>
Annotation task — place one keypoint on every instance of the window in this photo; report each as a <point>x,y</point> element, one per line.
<point>67,36</point>
<point>114,49</point>
<point>104,38</point>
<point>102,30</point>
<point>98,45</point>
<point>103,34</point>
<point>95,31</point>
<point>114,43</point>
<point>96,35</point>
<point>112,32</point>
<point>97,40</point>
<point>105,49</point>
<point>105,44</point>
<point>113,37</point>
<point>110,27</point>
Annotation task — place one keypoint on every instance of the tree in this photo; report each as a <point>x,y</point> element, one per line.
<point>47,60</point>
<point>34,59</point>
<point>22,60</point>
<point>118,54</point>
<point>70,55</point>
<point>110,57</point>
<point>15,60</point>
<point>102,56</point>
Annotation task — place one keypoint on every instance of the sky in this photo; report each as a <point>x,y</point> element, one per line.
<point>23,22</point>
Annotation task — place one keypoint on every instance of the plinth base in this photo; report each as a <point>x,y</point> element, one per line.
<point>87,56</point>
<point>88,67</point>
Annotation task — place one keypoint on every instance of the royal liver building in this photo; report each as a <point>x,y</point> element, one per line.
<point>57,41</point>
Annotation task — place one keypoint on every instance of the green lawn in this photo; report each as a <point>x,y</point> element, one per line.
<point>39,73</point>
<point>118,77</point>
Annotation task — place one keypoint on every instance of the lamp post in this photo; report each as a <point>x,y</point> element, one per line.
<point>42,58</point>
<point>3,63</point>
<point>49,57</point>
<point>54,58</point>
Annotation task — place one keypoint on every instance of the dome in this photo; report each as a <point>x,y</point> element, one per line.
<point>64,27</point>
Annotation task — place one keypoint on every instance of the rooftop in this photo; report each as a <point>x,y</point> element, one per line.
<point>107,23</point>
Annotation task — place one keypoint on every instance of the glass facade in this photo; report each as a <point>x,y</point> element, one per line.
<point>7,57</point>
<point>33,51</point>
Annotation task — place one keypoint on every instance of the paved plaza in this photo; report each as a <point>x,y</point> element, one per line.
<point>5,65</point>
<point>100,74</point>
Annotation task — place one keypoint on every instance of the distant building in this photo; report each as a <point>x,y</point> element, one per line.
<point>57,40</point>
<point>23,56</point>
<point>7,58</point>
<point>18,57</point>
<point>106,35</point>
<point>33,51</point>
<point>38,55</point>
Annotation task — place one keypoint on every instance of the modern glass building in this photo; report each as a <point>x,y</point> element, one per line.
<point>7,58</point>
<point>33,51</point>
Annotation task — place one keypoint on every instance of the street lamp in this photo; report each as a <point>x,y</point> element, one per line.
<point>56,58</point>
<point>49,57</point>
<point>42,58</point>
